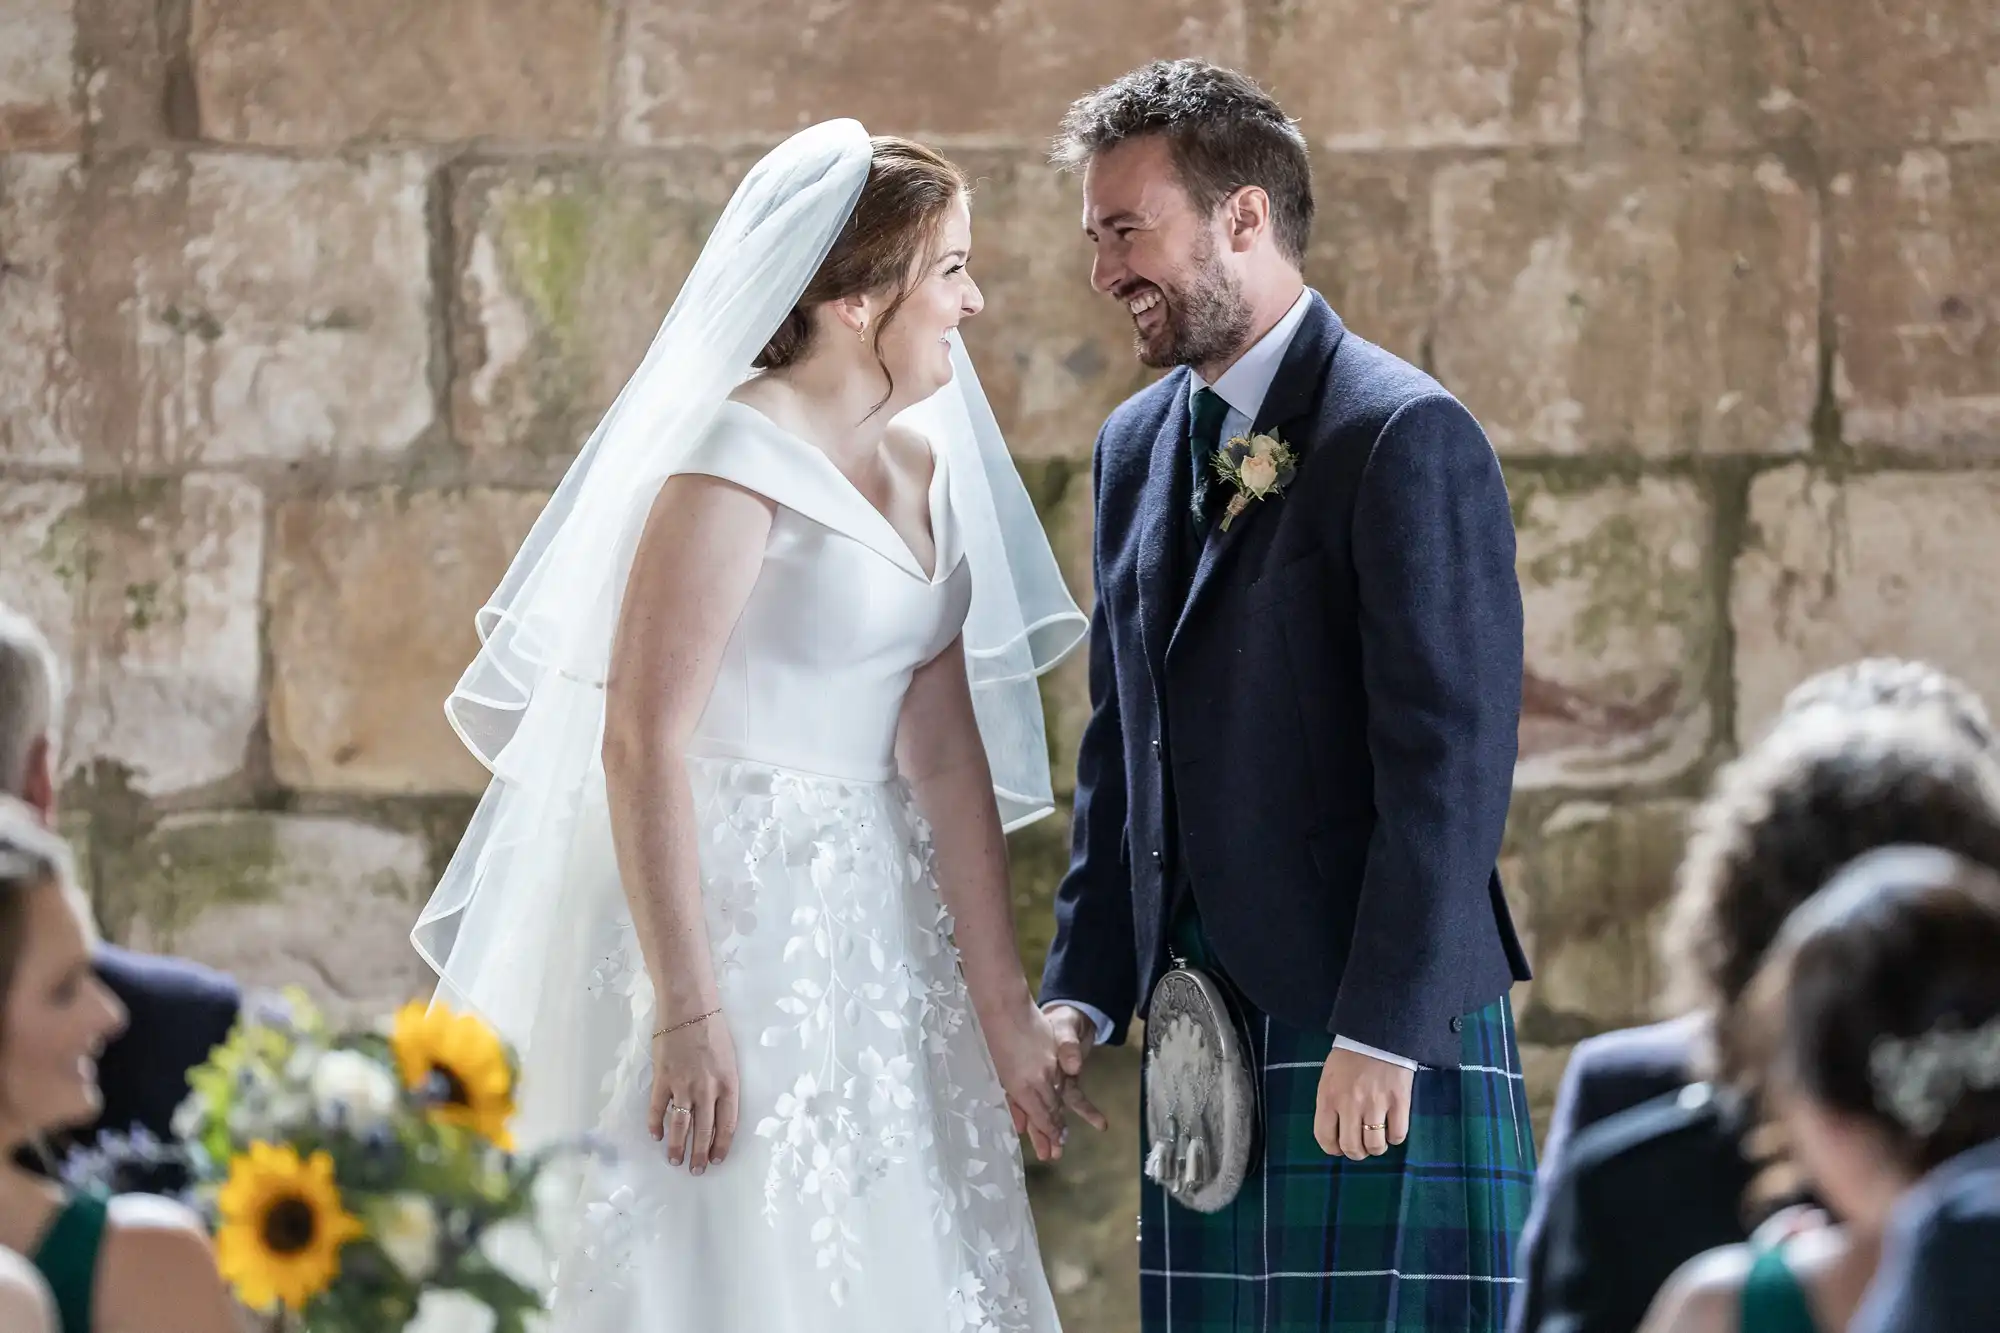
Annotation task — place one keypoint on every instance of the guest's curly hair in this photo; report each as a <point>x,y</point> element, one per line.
<point>1892,682</point>
<point>1824,787</point>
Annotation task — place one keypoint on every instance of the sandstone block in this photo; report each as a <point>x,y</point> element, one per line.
<point>372,597</point>
<point>1419,74</point>
<point>564,276</point>
<point>1730,74</point>
<point>278,900</point>
<point>1372,256</point>
<point>1893,563</point>
<point>1054,355</point>
<point>1706,75</point>
<point>149,592</point>
<point>1915,291</point>
<point>956,70</point>
<point>1597,879</point>
<point>381,69</point>
<point>38,371</point>
<point>1661,310</point>
<point>130,69</point>
<point>221,309</point>
<point>37,75</point>
<point>1882,75</point>
<point>1621,630</point>
<point>39,578</point>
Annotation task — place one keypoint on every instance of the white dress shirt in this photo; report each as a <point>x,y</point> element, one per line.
<point>1244,386</point>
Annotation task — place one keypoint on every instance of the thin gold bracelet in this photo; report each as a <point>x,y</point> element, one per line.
<point>687,1023</point>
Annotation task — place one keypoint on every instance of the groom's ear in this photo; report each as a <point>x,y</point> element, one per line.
<point>1246,217</point>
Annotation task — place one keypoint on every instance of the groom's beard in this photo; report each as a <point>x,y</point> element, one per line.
<point>1207,319</point>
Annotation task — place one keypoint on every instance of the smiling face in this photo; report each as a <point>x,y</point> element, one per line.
<point>1161,258</point>
<point>57,1017</point>
<point>916,343</point>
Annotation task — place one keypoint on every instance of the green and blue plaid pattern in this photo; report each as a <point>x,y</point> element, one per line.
<point>1419,1240</point>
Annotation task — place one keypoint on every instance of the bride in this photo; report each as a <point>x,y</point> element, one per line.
<point>759,698</point>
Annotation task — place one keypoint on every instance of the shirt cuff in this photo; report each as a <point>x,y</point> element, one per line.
<point>1095,1015</point>
<point>1343,1044</point>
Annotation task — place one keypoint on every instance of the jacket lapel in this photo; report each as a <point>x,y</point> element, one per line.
<point>1159,609</point>
<point>1292,396</point>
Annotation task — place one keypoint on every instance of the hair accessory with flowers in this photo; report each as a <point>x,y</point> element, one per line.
<point>1257,466</point>
<point>1919,1079</point>
<point>353,1176</point>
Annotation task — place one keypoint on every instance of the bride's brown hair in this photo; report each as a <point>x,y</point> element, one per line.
<point>894,224</point>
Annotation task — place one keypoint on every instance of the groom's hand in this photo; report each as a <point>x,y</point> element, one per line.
<point>1363,1106</point>
<point>1075,1035</point>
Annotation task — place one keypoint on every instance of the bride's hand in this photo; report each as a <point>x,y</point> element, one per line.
<point>695,1098</point>
<point>1024,1054</point>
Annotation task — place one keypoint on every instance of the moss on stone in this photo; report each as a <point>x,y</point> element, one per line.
<point>1633,580</point>
<point>181,870</point>
<point>545,238</point>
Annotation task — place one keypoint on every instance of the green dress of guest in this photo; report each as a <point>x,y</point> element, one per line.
<point>1773,1300</point>
<point>67,1258</point>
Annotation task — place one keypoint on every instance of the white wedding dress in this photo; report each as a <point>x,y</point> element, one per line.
<point>876,1182</point>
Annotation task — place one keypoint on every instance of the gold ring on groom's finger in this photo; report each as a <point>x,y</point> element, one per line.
<point>1366,1125</point>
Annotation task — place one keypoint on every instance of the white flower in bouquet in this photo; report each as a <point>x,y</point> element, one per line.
<point>406,1227</point>
<point>351,1090</point>
<point>440,1310</point>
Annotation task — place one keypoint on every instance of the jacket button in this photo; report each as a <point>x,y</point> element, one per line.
<point>1156,747</point>
<point>1156,856</point>
<point>1457,1024</point>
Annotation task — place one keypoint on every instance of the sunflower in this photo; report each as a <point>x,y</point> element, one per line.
<point>282,1226</point>
<point>461,1065</point>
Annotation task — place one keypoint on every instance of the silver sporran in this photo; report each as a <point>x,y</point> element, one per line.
<point>1201,1100</point>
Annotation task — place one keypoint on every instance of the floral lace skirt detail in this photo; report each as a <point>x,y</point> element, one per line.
<point>875,1182</point>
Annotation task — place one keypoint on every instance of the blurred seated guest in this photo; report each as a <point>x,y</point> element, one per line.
<point>179,1010</point>
<point>1616,1071</point>
<point>1940,1268</point>
<point>1876,1021</point>
<point>1812,795</point>
<point>114,1265</point>
<point>25,1303</point>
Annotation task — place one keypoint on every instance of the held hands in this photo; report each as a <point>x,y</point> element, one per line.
<point>1037,1064</point>
<point>695,1093</point>
<point>1075,1036</point>
<point>1363,1107</point>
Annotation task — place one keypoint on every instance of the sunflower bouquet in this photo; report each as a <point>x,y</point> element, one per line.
<point>353,1176</point>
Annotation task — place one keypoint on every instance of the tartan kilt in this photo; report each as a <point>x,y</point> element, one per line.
<point>1419,1240</point>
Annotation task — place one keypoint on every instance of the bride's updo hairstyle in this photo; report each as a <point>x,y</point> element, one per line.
<point>895,223</point>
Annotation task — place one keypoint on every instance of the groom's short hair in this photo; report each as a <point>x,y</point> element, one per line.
<point>1224,131</point>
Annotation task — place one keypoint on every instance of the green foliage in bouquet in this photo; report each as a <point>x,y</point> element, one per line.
<point>349,1173</point>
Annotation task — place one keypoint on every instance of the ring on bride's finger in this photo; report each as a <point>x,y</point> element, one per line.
<point>675,1108</point>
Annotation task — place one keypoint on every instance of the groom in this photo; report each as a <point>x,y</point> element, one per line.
<point>1302,740</point>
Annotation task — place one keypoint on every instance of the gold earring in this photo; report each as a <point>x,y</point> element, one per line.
<point>862,332</point>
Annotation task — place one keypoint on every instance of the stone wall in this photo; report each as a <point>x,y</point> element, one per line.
<point>303,308</point>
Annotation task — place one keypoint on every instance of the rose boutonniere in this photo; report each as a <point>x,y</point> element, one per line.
<point>1257,466</point>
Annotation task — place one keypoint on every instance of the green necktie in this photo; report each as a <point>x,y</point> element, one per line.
<point>1204,438</point>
